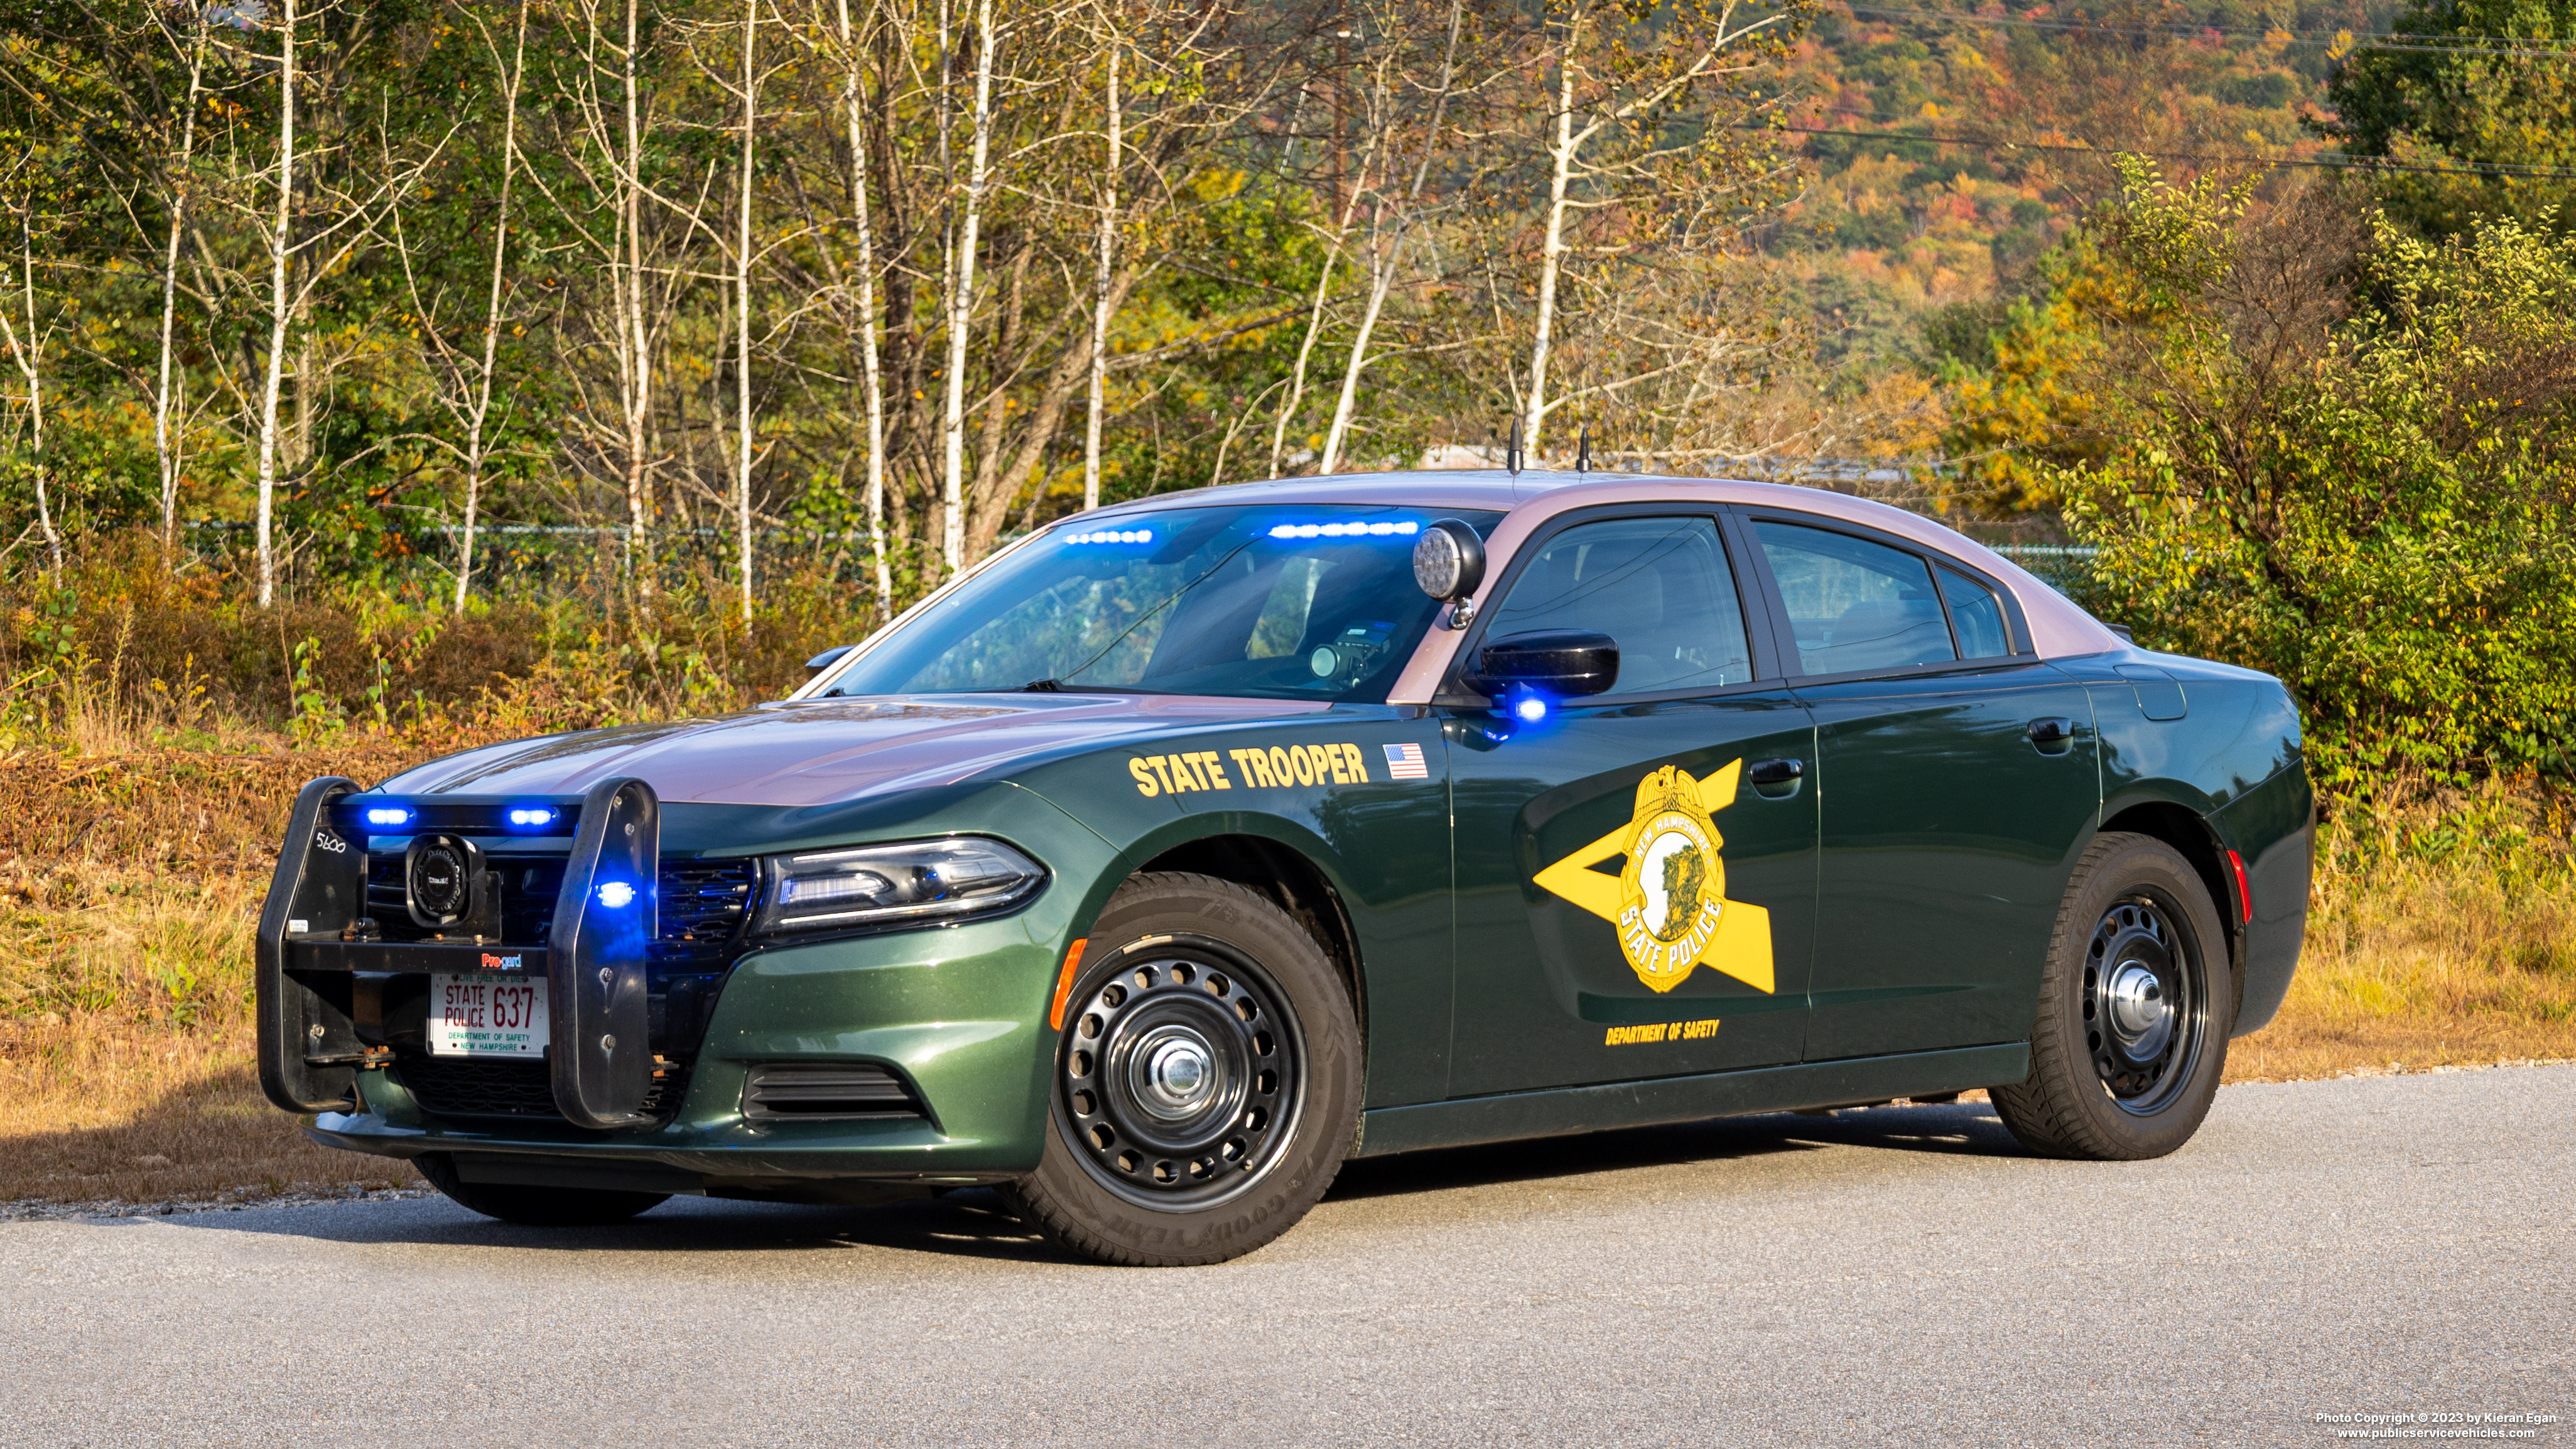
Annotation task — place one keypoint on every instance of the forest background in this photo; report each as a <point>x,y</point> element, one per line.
<point>388,377</point>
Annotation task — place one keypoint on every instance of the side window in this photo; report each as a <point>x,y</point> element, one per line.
<point>1975,616</point>
<point>1856,606</point>
<point>1660,586</point>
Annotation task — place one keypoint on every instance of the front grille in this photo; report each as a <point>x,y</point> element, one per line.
<point>841,1091</point>
<point>700,903</point>
<point>472,1087</point>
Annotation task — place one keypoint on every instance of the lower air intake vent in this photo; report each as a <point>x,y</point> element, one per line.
<point>808,1091</point>
<point>465,1087</point>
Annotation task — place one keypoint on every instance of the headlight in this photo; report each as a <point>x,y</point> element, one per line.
<point>921,880</point>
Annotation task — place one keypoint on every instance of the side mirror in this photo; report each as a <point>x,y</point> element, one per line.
<point>1547,664</point>
<point>1449,560</point>
<point>827,658</point>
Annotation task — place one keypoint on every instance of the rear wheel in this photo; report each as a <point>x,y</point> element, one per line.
<point>2131,1035</point>
<point>536,1207</point>
<point>1206,1084</point>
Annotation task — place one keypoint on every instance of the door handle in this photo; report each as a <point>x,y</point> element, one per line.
<point>2052,734</point>
<point>1776,772</point>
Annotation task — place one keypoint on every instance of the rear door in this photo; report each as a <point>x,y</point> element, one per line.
<point>1957,784</point>
<point>1629,903</point>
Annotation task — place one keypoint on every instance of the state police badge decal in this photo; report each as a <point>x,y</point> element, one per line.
<point>1668,902</point>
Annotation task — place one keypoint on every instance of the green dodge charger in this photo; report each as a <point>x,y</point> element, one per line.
<point>1184,849</point>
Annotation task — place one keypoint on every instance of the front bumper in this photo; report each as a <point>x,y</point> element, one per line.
<point>958,1013</point>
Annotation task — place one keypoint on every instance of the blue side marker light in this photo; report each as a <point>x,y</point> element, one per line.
<point>1531,709</point>
<point>532,815</point>
<point>388,815</point>
<point>617,895</point>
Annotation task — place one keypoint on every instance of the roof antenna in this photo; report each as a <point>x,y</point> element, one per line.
<point>1583,450</point>
<point>1512,450</point>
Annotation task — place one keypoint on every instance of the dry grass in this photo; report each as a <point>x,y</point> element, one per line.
<point>95,1111</point>
<point>131,884</point>
<point>2443,934</point>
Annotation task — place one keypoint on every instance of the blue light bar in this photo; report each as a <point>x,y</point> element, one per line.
<point>528,815</point>
<point>1113,535</point>
<point>616,895</point>
<point>389,815</point>
<point>1381,529</point>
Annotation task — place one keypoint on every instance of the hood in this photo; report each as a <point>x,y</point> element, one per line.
<point>824,751</point>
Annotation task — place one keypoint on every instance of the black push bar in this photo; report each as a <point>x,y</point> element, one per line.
<point>599,1052</point>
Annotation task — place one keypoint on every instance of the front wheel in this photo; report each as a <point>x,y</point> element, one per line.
<point>1206,1084</point>
<point>2134,1007</point>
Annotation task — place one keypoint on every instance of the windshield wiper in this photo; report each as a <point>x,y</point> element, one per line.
<point>1043,686</point>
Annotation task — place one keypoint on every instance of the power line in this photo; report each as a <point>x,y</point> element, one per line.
<point>2471,44</point>
<point>2314,163</point>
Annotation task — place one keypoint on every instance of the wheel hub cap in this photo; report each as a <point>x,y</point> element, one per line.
<point>1174,1072</point>
<point>2139,1009</point>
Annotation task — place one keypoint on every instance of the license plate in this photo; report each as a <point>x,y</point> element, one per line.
<point>487,1016</point>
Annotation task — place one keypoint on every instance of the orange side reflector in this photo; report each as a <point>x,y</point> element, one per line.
<point>2244,892</point>
<point>1064,983</point>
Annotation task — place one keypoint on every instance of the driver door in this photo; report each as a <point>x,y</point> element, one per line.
<point>1630,903</point>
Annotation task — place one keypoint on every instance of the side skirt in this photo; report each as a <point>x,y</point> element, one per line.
<point>1518,1115</point>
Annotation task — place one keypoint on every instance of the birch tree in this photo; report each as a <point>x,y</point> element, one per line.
<point>1616,129</point>
<point>742,253</point>
<point>281,251</point>
<point>167,387</point>
<point>1113,43</point>
<point>1387,244</point>
<point>468,378</point>
<point>961,289</point>
<point>26,349</point>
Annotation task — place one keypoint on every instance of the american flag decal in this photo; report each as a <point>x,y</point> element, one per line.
<point>1404,762</point>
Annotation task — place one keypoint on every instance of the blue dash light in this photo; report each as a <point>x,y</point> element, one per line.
<point>531,815</point>
<point>616,895</point>
<point>389,815</point>
<point>1112,535</point>
<point>1379,529</point>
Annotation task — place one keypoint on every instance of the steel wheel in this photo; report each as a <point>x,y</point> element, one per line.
<point>2130,1038</point>
<point>2144,1006</point>
<point>1181,1074</point>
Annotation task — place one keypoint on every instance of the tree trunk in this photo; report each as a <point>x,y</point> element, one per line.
<point>961,302</point>
<point>634,341</point>
<point>32,369</point>
<point>491,314</point>
<point>871,367</point>
<point>1382,267</point>
<point>742,297</point>
<point>165,451</point>
<point>280,242</point>
<point>1551,263</point>
<point>1100,287</point>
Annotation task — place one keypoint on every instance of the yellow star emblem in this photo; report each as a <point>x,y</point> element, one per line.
<point>1668,901</point>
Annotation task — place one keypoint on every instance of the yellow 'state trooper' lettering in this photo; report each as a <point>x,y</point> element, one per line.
<point>1272,768</point>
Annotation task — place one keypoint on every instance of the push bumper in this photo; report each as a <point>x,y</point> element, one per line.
<point>956,1014</point>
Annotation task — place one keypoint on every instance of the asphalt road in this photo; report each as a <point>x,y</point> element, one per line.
<point>1897,1276</point>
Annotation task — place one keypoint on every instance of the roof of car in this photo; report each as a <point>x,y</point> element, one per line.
<point>2058,628</point>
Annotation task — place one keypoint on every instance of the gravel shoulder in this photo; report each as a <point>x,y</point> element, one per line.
<point>1898,1276</point>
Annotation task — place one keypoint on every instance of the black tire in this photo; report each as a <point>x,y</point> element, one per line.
<point>536,1207</point>
<point>2135,1004</point>
<point>1206,1084</point>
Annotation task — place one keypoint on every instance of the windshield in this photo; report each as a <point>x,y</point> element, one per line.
<point>1271,602</point>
